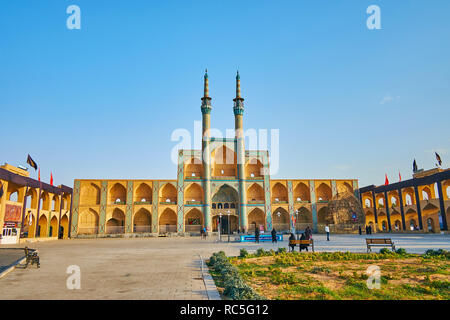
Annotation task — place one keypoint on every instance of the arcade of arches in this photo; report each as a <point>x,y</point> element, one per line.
<point>34,209</point>
<point>410,206</point>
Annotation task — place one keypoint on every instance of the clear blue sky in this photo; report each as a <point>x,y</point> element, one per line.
<point>103,101</point>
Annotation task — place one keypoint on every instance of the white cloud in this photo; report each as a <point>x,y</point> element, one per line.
<point>389,98</point>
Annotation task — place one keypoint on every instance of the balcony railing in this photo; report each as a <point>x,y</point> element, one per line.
<point>93,230</point>
<point>167,228</point>
<point>143,202</point>
<point>194,202</point>
<point>142,229</point>
<point>188,175</point>
<point>115,229</point>
<point>279,200</point>
<point>302,201</point>
<point>118,203</point>
<point>192,228</point>
<point>281,227</point>
<point>168,202</point>
<point>256,201</point>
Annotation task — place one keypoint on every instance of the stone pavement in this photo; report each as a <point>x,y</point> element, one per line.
<point>154,268</point>
<point>8,256</point>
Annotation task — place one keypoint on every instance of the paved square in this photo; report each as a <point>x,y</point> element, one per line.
<point>155,268</point>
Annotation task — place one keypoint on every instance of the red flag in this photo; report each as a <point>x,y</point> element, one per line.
<point>39,174</point>
<point>399,176</point>
<point>51,178</point>
<point>386,182</point>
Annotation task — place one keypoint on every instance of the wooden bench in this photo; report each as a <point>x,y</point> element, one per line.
<point>383,242</point>
<point>32,256</point>
<point>307,243</point>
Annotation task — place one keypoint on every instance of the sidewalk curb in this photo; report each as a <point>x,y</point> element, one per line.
<point>12,266</point>
<point>210,286</point>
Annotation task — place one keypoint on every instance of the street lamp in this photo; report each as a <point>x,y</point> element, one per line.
<point>228,225</point>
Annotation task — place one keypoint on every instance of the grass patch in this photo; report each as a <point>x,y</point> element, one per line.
<point>342,275</point>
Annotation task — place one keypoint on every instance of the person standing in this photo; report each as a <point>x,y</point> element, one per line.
<point>274,235</point>
<point>327,230</point>
<point>256,234</point>
<point>360,230</point>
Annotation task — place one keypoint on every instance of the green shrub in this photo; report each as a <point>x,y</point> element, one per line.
<point>234,285</point>
<point>385,251</point>
<point>260,252</point>
<point>281,250</point>
<point>243,253</point>
<point>401,251</point>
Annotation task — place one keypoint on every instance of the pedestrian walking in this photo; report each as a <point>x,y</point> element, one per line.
<point>274,235</point>
<point>327,230</point>
<point>256,234</point>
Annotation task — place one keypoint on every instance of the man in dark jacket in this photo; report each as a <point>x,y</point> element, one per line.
<point>256,234</point>
<point>274,235</point>
<point>292,246</point>
<point>303,246</point>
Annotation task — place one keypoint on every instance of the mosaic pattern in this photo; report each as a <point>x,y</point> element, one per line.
<point>103,198</point>
<point>155,206</point>
<point>75,211</point>
<point>268,207</point>
<point>129,209</point>
<point>180,193</point>
<point>333,188</point>
<point>312,190</point>
<point>291,204</point>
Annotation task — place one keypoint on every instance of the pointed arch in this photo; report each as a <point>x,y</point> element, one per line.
<point>64,226</point>
<point>302,193</point>
<point>117,194</point>
<point>42,225</point>
<point>89,194</point>
<point>168,221</point>
<point>168,194</point>
<point>53,232</point>
<point>256,218</point>
<point>193,220</point>
<point>32,199</point>
<point>193,194</point>
<point>142,221</point>
<point>193,169</point>
<point>324,216</point>
<point>143,194</point>
<point>279,193</point>
<point>44,200</point>
<point>323,192</point>
<point>281,219</point>
<point>116,222</point>
<point>254,168</point>
<point>255,194</point>
<point>224,162</point>
<point>88,222</point>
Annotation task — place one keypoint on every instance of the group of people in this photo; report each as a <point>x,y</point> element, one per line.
<point>306,235</point>
<point>368,230</point>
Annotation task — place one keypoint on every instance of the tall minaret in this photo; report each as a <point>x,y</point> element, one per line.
<point>239,135</point>
<point>206,154</point>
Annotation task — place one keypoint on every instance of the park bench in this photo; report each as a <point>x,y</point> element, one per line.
<point>32,256</point>
<point>308,243</point>
<point>383,242</point>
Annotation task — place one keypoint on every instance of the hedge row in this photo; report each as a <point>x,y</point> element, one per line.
<point>235,286</point>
